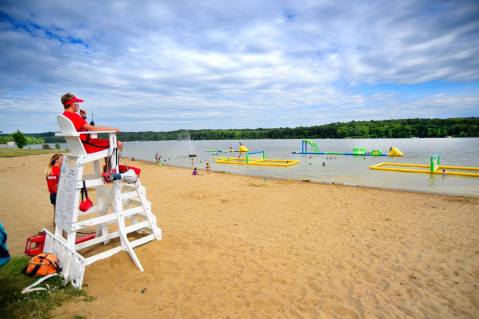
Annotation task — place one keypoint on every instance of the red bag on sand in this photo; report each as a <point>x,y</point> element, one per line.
<point>34,244</point>
<point>124,168</point>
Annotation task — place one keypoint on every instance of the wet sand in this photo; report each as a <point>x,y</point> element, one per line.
<point>244,247</point>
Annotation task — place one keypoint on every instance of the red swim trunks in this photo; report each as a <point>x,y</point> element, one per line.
<point>96,144</point>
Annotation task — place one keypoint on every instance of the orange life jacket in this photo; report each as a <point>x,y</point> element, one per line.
<point>42,264</point>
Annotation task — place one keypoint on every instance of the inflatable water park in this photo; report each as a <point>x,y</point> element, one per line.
<point>433,167</point>
<point>248,159</point>
<point>261,161</point>
<point>357,151</point>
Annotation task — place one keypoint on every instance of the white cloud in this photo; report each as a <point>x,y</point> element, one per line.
<point>190,64</point>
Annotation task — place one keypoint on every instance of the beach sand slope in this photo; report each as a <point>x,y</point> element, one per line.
<point>243,247</point>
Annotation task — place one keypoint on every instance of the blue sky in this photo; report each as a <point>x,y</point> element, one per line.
<point>166,65</point>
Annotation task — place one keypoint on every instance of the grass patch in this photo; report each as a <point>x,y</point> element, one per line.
<point>15,152</point>
<point>35,304</point>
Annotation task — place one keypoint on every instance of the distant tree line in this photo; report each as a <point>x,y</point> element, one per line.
<point>20,139</point>
<point>402,128</point>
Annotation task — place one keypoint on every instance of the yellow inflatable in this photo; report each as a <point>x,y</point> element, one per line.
<point>395,152</point>
<point>243,148</point>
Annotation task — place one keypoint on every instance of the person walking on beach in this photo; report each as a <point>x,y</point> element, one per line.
<point>53,176</point>
<point>207,167</point>
<point>71,104</point>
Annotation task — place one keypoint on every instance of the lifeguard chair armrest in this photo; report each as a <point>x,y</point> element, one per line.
<point>86,132</point>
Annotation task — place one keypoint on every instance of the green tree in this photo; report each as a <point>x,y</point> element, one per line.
<point>342,132</point>
<point>34,140</point>
<point>5,139</point>
<point>19,138</point>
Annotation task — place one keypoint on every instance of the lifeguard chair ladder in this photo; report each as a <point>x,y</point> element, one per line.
<point>70,220</point>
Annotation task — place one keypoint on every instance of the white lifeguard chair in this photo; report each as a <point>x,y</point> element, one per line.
<point>120,205</point>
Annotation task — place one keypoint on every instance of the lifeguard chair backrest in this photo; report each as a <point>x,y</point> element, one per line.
<point>71,136</point>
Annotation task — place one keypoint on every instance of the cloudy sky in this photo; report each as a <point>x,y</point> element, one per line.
<point>165,65</point>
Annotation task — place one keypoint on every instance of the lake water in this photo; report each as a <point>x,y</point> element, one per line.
<point>351,170</point>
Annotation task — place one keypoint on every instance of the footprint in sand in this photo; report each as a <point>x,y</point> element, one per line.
<point>314,287</point>
<point>345,312</point>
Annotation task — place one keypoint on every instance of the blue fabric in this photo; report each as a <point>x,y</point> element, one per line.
<point>4,255</point>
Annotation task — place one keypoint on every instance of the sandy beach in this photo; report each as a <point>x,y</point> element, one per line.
<point>244,247</point>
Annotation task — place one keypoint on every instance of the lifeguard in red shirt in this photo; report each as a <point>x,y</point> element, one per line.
<point>53,175</point>
<point>71,104</point>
